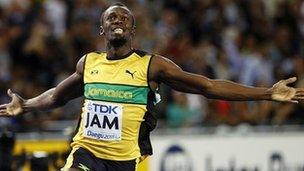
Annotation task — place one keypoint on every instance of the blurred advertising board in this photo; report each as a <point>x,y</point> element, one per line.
<point>254,152</point>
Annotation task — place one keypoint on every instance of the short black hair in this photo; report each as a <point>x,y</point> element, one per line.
<point>120,5</point>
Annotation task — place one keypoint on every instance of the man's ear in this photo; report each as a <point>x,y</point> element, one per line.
<point>101,31</point>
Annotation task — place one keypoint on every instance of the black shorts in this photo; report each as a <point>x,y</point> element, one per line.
<point>84,160</point>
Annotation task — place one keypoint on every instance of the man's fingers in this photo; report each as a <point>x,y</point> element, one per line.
<point>299,94</point>
<point>290,80</point>
<point>293,101</point>
<point>3,112</point>
<point>10,93</point>
<point>298,98</point>
<point>3,106</point>
<point>300,91</point>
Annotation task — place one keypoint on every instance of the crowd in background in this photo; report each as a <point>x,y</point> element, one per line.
<point>251,42</point>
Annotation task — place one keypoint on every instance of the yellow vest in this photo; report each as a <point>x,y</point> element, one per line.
<point>116,100</point>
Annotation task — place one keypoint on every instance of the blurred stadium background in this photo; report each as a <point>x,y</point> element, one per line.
<point>254,42</point>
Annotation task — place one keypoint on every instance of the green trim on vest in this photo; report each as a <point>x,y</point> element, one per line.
<point>116,93</point>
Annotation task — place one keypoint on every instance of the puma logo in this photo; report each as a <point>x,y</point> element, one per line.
<point>129,72</point>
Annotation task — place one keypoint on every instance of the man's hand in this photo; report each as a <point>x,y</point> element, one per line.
<point>281,92</point>
<point>14,107</point>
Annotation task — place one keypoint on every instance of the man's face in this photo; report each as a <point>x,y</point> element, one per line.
<point>118,24</point>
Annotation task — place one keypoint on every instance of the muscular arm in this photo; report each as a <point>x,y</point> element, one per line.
<point>165,71</point>
<point>68,89</point>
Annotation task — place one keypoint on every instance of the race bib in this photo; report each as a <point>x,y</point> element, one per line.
<point>102,120</point>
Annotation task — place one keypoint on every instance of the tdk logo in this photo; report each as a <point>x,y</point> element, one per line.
<point>109,109</point>
<point>105,116</point>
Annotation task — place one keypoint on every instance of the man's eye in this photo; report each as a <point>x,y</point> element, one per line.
<point>111,18</point>
<point>124,18</point>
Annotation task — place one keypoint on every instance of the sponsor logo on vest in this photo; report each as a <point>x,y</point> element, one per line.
<point>102,121</point>
<point>131,73</point>
<point>109,93</point>
<point>94,72</point>
<point>102,136</point>
<point>108,109</point>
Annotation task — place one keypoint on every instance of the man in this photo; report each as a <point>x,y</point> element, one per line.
<point>119,87</point>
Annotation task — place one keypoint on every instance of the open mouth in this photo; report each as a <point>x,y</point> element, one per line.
<point>118,30</point>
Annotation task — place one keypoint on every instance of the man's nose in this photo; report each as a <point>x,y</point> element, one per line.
<point>118,20</point>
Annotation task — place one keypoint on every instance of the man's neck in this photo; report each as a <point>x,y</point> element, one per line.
<point>118,52</point>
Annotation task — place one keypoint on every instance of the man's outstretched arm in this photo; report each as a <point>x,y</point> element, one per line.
<point>165,71</point>
<point>70,88</point>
